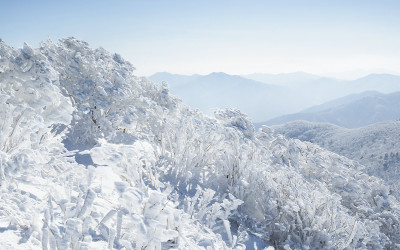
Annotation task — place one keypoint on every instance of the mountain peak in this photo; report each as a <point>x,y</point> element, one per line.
<point>218,74</point>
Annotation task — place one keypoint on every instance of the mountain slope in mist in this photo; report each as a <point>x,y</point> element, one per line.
<point>220,90</point>
<point>174,80</point>
<point>385,83</point>
<point>284,79</point>
<point>283,93</point>
<point>352,111</point>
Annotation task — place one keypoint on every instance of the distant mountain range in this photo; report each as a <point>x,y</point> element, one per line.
<point>376,146</point>
<point>220,90</point>
<point>385,83</point>
<point>352,111</point>
<point>285,79</point>
<point>265,96</point>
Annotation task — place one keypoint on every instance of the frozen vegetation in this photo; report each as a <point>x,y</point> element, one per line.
<point>376,146</point>
<point>93,157</point>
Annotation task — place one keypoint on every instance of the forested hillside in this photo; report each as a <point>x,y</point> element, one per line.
<point>377,146</point>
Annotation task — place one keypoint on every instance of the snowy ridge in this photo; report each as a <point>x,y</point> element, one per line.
<point>376,146</point>
<point>156,174</point>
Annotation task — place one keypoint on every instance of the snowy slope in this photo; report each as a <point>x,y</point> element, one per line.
<point>376,146</point>
<point>352,111</point>
<point>94,157</point>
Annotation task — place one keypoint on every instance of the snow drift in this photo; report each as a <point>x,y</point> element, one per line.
<point>94,157</point>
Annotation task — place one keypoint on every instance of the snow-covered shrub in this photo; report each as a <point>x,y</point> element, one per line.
<point>375,146</point>
<point>110,100</point>
<point>284,184</point>
<point>32,112</point>
<point>31,103</point>
<point>359,193</point>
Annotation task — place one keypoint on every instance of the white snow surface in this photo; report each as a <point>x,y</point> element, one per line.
<point>93,157</point>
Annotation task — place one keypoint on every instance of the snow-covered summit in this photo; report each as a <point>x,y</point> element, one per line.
<point>94,157</point>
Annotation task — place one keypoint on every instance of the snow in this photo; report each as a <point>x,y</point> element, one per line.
<point>12,239</point>
<point>376,146</point>
<point>93,157</point>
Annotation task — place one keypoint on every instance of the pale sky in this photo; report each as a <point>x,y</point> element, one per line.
<point>236,37</point>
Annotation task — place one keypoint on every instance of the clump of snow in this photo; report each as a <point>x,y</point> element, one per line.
<point>159,175</point>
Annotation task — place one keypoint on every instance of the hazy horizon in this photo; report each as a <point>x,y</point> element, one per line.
<point>337,38</point>
<point>347,75</point>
